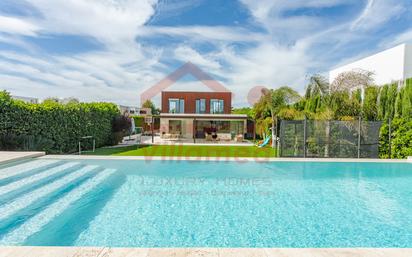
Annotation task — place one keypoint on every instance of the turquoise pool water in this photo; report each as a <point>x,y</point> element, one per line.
<point>205,204</point>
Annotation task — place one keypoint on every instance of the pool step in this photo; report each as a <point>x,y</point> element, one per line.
<point>25,200</point>
<point>34,224</point>
<point>38,177</point>
<point>9,172</point>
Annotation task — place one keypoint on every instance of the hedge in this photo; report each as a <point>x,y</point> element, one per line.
<point>401,139</point>
<point>396,106</point>
<point>53,127</point>
<point>139,121</point>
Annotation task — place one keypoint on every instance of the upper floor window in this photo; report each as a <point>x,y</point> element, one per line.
<point>216,106</point>
<point>200,105</point>
<point>176,106</point>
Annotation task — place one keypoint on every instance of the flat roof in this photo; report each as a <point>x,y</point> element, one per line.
<point>201,92</point>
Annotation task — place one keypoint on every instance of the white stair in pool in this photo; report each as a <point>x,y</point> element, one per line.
<point>25,200</point>
<point>36,177</point>
<point>24,167</point>
<point>35,223</point>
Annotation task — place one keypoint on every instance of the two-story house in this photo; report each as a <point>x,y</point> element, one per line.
<point>200,115</point>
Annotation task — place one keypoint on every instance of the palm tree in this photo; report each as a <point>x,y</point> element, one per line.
<point>272,101</point>
<point>318,84</point>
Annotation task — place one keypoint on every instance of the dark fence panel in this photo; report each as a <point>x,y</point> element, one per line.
<point>329,139</point>
<point>291,138</point>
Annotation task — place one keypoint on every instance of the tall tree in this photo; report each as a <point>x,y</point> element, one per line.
<point>370,103</point>
<point>317,91</point>
<point>272,101</point>
<point>383,102</point>
<point>347,81</point>
<point>407,100</point>
<point>151,105</point>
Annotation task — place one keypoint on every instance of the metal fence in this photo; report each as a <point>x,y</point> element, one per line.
<point>329,139</point>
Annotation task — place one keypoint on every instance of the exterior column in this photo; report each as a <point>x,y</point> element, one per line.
<point>152,129</point>
<point>194,130</point>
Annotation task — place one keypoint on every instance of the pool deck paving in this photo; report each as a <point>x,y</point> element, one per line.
<point>11,156</point>
<point>23,251</point>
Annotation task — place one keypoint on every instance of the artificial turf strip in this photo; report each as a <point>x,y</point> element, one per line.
<point>188,151</point>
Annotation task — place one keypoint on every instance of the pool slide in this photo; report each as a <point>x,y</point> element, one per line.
<point>265,142</point>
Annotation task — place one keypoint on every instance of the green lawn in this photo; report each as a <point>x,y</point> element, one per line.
<point>187,151</point>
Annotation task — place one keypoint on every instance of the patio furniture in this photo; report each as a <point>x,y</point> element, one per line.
<point>170,136</point>
<point>208,137</point>
<point>224,136</point>
<point>239,138</point>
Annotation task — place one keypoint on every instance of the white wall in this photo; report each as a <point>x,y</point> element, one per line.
<point>388,65</point>
<point>408,61</point>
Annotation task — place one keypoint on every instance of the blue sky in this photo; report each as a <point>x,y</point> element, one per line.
<point>112,50</point>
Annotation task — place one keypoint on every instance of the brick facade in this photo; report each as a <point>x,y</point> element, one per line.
<point>191,97</point>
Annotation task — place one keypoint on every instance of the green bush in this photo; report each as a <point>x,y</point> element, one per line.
<point>54,127</point>
<point>138,121</point>
<point>407,100</point>
<point>401,139</point>
<point>370,104</point>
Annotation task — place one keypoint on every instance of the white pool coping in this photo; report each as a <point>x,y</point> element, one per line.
<point>39,251</point>
<point>222,159</point>
<point>11,156</point>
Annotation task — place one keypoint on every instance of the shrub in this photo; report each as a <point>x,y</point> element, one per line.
<point>401,139</point>
<point>139,121</point>
<point>53,127</point>
<point>370,104</point>
<point>120,127</point>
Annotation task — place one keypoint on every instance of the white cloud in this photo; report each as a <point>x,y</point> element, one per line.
<point>105,20</point>
<point>115,73</point>
<point>188,54</point>
<point>281,54</point>
<point>405,37</point>
<point>377,12</point>
<point>267,65</point>
<point>204,33</point>
<point>18,26</point>
<point>271,14</point>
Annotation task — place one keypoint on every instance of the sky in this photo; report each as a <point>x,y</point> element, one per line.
<point>113,50</point>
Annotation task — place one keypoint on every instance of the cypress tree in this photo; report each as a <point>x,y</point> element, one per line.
<point>407,100</point>
<point>383,103</point>
<point>392,94</point>
<point>370,103</point>
<point>398,103</point>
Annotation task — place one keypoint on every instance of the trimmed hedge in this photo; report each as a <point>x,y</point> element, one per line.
<point>138,121</point>
<point>401,145</point>
<point>396,105</point>
<point>54,127</point>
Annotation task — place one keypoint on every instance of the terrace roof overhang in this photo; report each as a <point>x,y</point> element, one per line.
<point>198,116</point>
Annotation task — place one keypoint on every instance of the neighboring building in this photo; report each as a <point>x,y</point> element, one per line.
<point>69,100</point>
<point>135,110</point>
<point>200,115</point>
<point>30,100</point>
<point>394,64</point>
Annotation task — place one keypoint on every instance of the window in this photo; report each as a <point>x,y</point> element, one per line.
<point>181,106</point>
<point>200,105</point>
<point>216,106</point>
<point>176,105</point>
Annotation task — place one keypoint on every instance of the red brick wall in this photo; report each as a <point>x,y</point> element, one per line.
<point>190,100</point>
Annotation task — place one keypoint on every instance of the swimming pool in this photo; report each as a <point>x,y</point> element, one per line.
<point>130,203</point>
